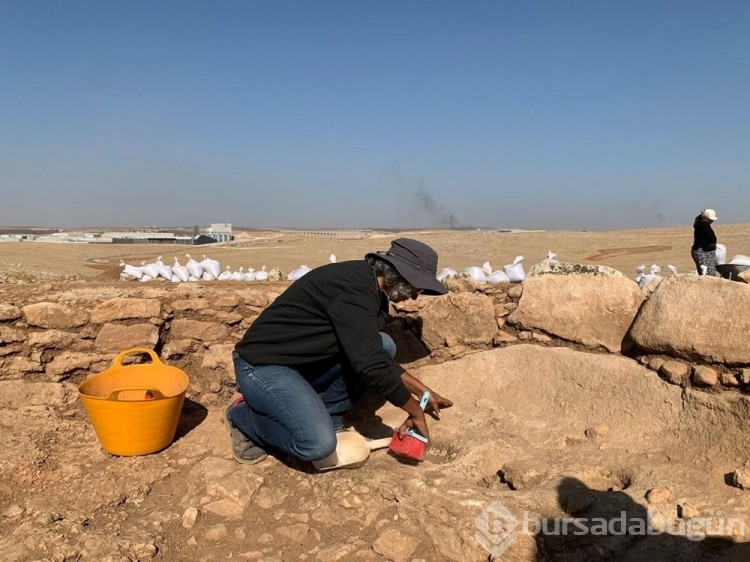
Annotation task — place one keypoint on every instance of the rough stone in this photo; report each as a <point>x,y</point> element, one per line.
<point>9,312</point>
<point>122,308</point>
<point>564,268</point>
<point>190,305</point>
<point>10,335</point>
<point>113,338</point>
<point>396,545</point>
<point>219,356</point>
<point>704,376</point>
<point>19,393</point>
<point>655,364</point>
<point>197,330</point>
<point>54,315</point>
<point>741,479</point>
<point>666,323</point>
<point>466,318</point>
<point>56,339</point>
<point>217,532</point>
<point>189,517</point>
<point>524,474</point>
<point>659,495</point>
<point>729,379</point>
<point>69,362</point>
<point>675,372</point>
<point>597,433</point>
<point>686,510</point>
<point>593,311</point>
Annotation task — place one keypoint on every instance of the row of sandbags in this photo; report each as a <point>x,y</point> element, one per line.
<point>193,270</point>
<point>205,270</point>
<point>511,273</point>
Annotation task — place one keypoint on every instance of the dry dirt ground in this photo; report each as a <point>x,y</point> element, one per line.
<point>63,499</point>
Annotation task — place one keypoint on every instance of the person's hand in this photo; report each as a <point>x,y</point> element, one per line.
<point>435,403</point>
<point>416,419</point>
<point>416,423</point>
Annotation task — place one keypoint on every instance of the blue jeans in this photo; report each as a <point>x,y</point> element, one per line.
<point>285,411</point>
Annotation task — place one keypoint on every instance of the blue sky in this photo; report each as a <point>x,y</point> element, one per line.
<point>564,114</point>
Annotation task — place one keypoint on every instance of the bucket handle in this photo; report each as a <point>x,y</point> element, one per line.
<point>133,351</point>
<point>156,394</point>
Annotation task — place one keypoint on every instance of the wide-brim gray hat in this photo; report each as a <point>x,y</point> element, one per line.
<point>416,262</point>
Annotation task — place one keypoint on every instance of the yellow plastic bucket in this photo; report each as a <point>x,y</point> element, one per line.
<point>135,408</point>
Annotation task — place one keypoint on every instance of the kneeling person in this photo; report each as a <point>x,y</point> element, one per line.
<point>314,351</point>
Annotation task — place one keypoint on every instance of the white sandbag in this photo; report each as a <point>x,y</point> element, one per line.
<point>497,277</point>
<point>721,254</point>
<point>238,275</point>
<point>192,279</point>
<point>515,270</point>
<point>213,267</point>
<point>655,269</point>
<point>739,259</point>
<point>673,269</point>
<point>551,258</point>
<point>195,268</point>
<point>225,275</point>
<point>175,279</point>
<point>131,270</point>
<point>447,272</point>
<point>261,275</point>
<point>476,273</point>
<point>180,271</point>
<point>149,269</point>
<point>250,274</point>
<point>299,272</point>
<point>207,276</point>
<point>165,271</point>
<point>146,277</point>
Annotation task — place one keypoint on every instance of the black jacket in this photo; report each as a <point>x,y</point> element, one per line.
<point>333,314</point>
<point>703,236</point>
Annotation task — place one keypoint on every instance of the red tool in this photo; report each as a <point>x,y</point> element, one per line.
<point>412,445</point>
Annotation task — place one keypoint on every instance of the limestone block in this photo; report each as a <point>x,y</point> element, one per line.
<point>700,319</point>
<point>10,335</point>
<point>125,308</point>
<point>595,311</point>
<point>114,338</point>
<point>463,318</point>
<point>9,313</point>
<point>197,330</point>
<point>54,315</point>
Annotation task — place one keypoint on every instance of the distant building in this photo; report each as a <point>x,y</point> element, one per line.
<point>221,232</point>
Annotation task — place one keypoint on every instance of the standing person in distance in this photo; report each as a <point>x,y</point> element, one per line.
<point>704,243</point>
<point>313,352</point>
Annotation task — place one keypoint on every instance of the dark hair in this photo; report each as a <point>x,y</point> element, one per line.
<point>394,285</point>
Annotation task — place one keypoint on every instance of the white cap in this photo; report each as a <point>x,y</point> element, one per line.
<point>710,214</point>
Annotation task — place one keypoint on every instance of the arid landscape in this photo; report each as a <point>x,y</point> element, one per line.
<point>548,425</point>
<point>621,250</point>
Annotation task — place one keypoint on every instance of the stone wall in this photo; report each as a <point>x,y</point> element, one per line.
<point>68,331</point>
